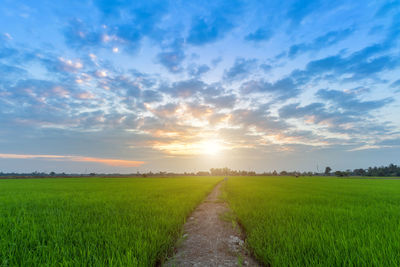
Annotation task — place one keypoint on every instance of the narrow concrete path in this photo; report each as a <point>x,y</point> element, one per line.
<point>210,240</point>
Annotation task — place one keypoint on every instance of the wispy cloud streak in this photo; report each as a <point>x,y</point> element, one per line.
<point>105,161</point>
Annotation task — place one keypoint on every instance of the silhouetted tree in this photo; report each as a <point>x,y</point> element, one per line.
<point>328,170</point>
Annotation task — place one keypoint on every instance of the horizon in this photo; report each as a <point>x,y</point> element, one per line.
<point>391,170</point>
<point>121,87</point>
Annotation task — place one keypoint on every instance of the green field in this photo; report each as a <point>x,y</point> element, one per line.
<point>319,221</point>
<point>305,221</point>
<point>94,222</point>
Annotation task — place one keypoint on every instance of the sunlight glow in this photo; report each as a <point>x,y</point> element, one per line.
<point>211,147</point>
<point>205,147</point>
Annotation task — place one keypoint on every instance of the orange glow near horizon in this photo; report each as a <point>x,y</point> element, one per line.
<point>113,162</point>
<point>109,162</point>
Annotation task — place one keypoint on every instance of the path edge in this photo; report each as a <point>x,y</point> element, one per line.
<point>170,253</point>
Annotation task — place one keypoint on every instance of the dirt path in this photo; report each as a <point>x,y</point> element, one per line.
<point>210,240</point>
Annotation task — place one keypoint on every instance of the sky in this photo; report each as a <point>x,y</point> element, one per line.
<point>125,86</point>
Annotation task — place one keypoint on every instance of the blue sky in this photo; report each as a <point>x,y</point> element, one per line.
<point>121,86</point>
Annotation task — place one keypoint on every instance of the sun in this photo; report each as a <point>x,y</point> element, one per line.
<point>211,147</point>
<point>208,147</point>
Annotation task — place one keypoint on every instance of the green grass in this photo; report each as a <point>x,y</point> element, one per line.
<point>94,222</point>
<point>319,221</point>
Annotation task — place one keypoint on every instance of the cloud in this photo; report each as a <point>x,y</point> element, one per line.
<point>241,69</point>
<point>224,101</point>
<point>12,72</point>
<point>322,42</point>
<point>33,91</point>
<point>302,8</point>
<point>386,8</point>
<point>145,80</point>
<point>395,84</point>
<point>105,161</point>
<point>266,67</point>
<point>363,64</point>
<point>60,104</point>
<point>128,35</point>
<point>125,23</point>
<point>6,36</point>
<point>110,162</point>
<point>124,85</point>
<point>335,121</point>
<point>150,96</point>
<point>171,60</point>
<point>349,101</point>
<point>258,118</point>
<point>146,14</point>
<point>259,35</point>
<point>315,111</point>
<point>214,25</point>
<point>284,88</point>
<point>7,52</point>
<point>198,70</point>
<point>390,142</point>
<point>338,119</point>
<point>216,61</point>
<point>60,65</point>
<point>37,103</point>
<point>173,57</point>
<point>184,89</point>
<point>376,29</point>
<point>206,30</point>
<point>79,35</point>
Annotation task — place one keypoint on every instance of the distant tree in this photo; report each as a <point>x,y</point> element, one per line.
<point>52,173</point>
<point>359,172</point>
<point>274,173</point>
<point>220,171</point>
<point>391,170</point>
<point>328,170</point>
<point>341,174</point>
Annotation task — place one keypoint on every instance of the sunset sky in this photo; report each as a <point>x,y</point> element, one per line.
<point>122,86</point>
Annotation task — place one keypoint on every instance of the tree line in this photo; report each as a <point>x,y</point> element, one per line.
<point>391,170</point>
<point>384,171</point>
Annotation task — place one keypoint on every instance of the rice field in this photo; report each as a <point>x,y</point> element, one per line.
<point>94,221</point>
<point>319,221</point>
<point>305,221</point>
